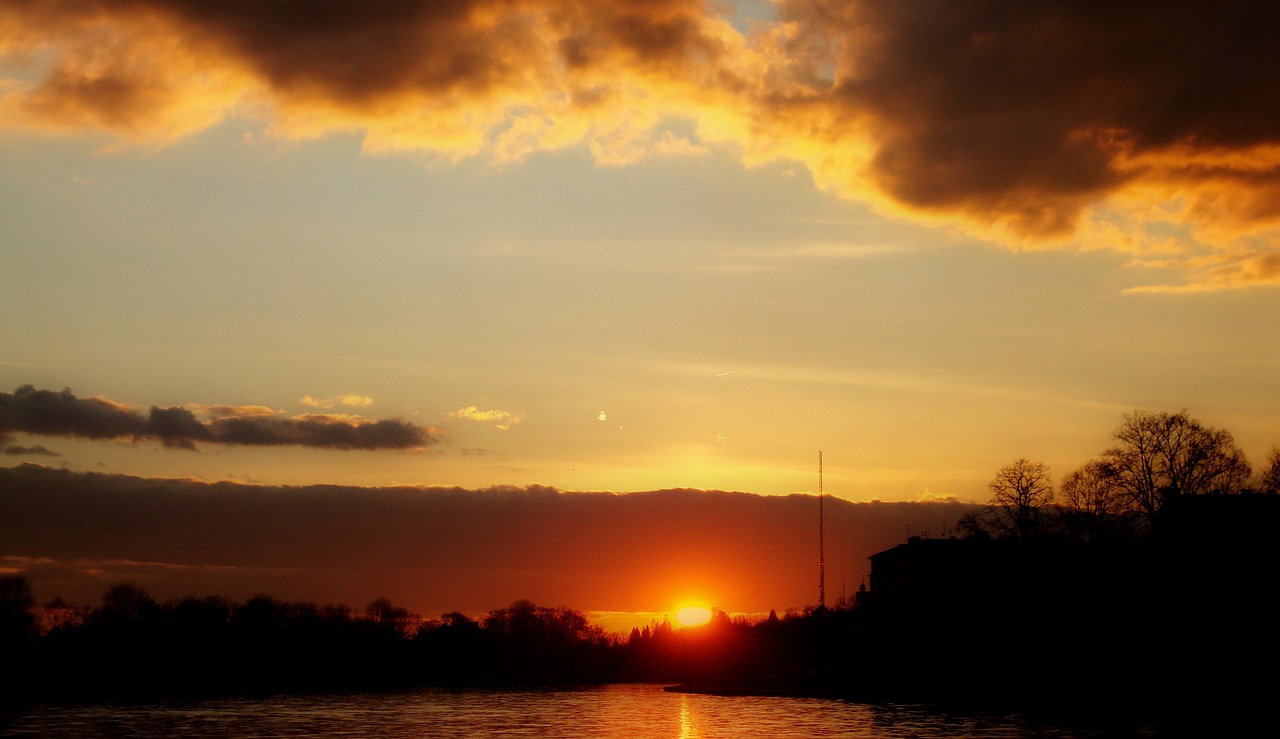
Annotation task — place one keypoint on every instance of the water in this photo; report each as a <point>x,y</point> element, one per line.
<point>622,711</point>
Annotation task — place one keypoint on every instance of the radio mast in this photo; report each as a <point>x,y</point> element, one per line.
<point>822,555</point>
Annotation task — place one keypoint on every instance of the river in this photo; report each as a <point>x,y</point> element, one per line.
<point>622,711</point>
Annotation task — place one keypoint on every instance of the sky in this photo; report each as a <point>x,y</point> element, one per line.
<point>613,245</point>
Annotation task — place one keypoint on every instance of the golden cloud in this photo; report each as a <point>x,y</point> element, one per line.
<point>350,400</point>
<point>223,411</point>
<point>500,419</point>
<point>347,418</point>
<point>1216,272</point>
<point>1031,123</point>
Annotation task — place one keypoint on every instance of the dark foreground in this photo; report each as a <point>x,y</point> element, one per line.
<point>211,648</point>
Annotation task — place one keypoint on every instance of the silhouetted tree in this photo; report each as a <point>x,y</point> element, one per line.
<point>58,614</point>
<point>1269,477</point>
<point>453,650</point>
<point>973,525</point>
<point>202,620</point>
<point>1164,455</point>
<point>18,633</point>
<point>260,620</point>
<point>17,612</point>
<point>457,619</point>
<point>1018,493</point>
<point>1094,506</point>
<point>391,618</point>
<point>127,603</point>
<point>536,645</point>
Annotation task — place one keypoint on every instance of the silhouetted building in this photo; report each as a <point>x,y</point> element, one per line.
<point>1188,611</point>
<point>1204,544</point>
<point>924,573</point>
<point>964,578</point>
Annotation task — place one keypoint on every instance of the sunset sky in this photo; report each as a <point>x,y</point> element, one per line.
<point>627,245</point>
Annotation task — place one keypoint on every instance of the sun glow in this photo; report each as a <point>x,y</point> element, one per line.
<point>693,616</point>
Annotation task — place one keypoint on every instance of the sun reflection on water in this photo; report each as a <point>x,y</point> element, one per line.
<point>689,724</point>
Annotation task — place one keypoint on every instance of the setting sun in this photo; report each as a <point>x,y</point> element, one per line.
<point>693,616</point>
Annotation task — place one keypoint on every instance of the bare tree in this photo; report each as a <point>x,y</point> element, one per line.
<point>1094,506</point>
<point>1269,476</point>
<point>1163,455</point>
<point>975,525</point>
<point>390,617</point>
<point>1018,493</point>
<point>126,602</point>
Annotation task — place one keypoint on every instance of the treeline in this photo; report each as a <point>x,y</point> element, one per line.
<point>132,646</point>
<point>1157,458</point>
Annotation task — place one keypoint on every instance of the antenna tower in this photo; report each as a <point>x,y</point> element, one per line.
<point>822,555</point>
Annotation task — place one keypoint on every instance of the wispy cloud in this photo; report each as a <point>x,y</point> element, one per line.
<point>1214,272</point>
<point>224,411</point>
<point>833,251</point>
<point>49,413</point>
<point>350,400</point>
<point>14,450</point>
<point>500,419</point>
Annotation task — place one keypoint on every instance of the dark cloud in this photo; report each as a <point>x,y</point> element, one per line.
<point>317,431</point>
<point>439,549</point>
<point>15,450</point>
<point>367,54</point>
<point>175,427</point>
<point>358,53</point>
<point>49,413</point>
<point>1031,111</point>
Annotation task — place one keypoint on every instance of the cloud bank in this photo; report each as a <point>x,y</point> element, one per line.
<point>439,549</point>
<point>1139,126</point>
<point>49,413</point>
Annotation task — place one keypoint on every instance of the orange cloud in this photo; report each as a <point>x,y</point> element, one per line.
<point>507,76</point>
<point>222,411</point>
<point>1030,123</point>
<point>131,76</point>
<point>1216,272</point>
